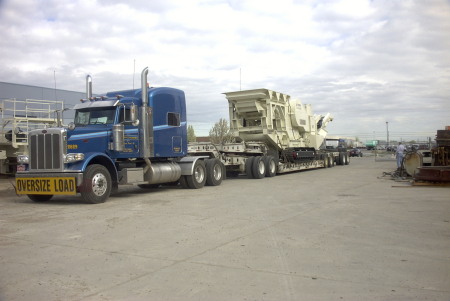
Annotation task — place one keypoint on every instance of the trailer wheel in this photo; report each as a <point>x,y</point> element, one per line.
<point>344,159</point>
<point>330,161</point>
<point>248,167</point>
<point>271,166</point>
<point>325,162</point>
<point>97,184</point>
<point>40,197</point>
<point>214,172</point>
<point>347,159</point>
<point>258,167</point>
<point>198,178</point>
<point>341,159</point>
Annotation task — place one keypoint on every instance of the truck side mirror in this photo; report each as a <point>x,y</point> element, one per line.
<point>129,115</point>
<point>134,115</point>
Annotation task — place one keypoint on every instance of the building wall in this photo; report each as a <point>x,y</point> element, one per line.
<point>22,92</point>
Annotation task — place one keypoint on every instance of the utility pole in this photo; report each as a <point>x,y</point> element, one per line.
<point>387,133</point>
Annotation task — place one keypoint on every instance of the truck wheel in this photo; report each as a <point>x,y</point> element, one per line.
<point>341,159</point>
<point>198,178</point>
<point>40,197</point>
<point>258,167</point>
<point>214,172</point>
<point>97,184</point>
<point>248,167</point>
<point>271,167</point>
<point>330,161</point>
<point>347,159</point>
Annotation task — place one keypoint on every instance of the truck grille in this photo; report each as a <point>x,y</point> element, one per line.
<point>46,150</point>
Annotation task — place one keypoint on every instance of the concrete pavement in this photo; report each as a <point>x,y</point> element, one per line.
<point>329,234</point>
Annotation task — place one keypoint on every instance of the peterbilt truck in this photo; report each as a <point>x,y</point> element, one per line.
<point>274,134</point>
<point>125,137</point>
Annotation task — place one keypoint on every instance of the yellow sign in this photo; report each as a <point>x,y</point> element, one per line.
<point>46,186</point>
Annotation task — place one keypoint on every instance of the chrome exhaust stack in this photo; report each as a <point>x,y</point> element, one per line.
<point>146,124</point>
<point>88,87</point>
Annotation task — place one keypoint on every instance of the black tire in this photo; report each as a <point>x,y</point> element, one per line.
<point>214,172</point>
<point>258,167</point>
<point>198,178</point>
<point>347,159</point>
<point>149,186</point>
<point>183,182</point>
<point>330,161</point>
<point>248,167</point>
<point>40,197</point>
<point>341,159</point>
<point>97,184</point>
<point>271,166</point>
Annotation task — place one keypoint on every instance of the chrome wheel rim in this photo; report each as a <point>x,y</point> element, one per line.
<point>199,174</point>
<point>99,184</point>
<point>261,167</point>
<point>217,172</point>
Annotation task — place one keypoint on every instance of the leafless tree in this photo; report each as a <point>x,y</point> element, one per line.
<point>220,132</point>
<point>191,134</point>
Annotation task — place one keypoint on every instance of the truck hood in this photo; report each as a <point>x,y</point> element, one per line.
<point>90,132</point>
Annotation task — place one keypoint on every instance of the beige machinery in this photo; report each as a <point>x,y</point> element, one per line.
<point>274,134</point>
<point>276,119</point>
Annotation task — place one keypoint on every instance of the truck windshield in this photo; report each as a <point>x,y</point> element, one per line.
<point>95,116</point>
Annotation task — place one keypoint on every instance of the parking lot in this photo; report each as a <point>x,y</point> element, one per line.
<point>342,233</point>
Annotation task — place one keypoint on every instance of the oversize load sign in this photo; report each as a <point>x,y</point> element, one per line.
<point>46,186</point>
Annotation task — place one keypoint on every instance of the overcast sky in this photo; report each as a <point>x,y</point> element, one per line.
<point>366,62</point>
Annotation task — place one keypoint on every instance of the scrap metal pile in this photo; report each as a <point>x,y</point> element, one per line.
<point>440,171</point>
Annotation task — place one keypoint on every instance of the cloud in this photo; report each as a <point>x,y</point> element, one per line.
<point>367,62</point>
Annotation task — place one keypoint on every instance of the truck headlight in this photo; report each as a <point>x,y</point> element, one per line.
<point>23,159</point>
<point>73,157</point>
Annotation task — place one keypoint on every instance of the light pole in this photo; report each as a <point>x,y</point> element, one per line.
<point>387,133</point>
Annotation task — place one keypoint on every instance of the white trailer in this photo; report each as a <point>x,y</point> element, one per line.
<point>18,117</point>
<point>275,134</point>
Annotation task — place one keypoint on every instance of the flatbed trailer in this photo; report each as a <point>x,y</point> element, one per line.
<point>255,160</point>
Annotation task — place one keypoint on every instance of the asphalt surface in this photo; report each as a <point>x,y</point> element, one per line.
<point>343,233</point>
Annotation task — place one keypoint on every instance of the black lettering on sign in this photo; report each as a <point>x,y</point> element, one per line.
<point>46,186</point>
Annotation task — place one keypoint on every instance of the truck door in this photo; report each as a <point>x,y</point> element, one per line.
<point>131,135</point>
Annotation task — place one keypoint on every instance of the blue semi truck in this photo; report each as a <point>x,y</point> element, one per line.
<point>125,137</point>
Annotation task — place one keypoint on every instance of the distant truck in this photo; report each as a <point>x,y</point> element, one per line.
<point>125,137</point>
<point>275,134</point>
<point>371,145</point>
